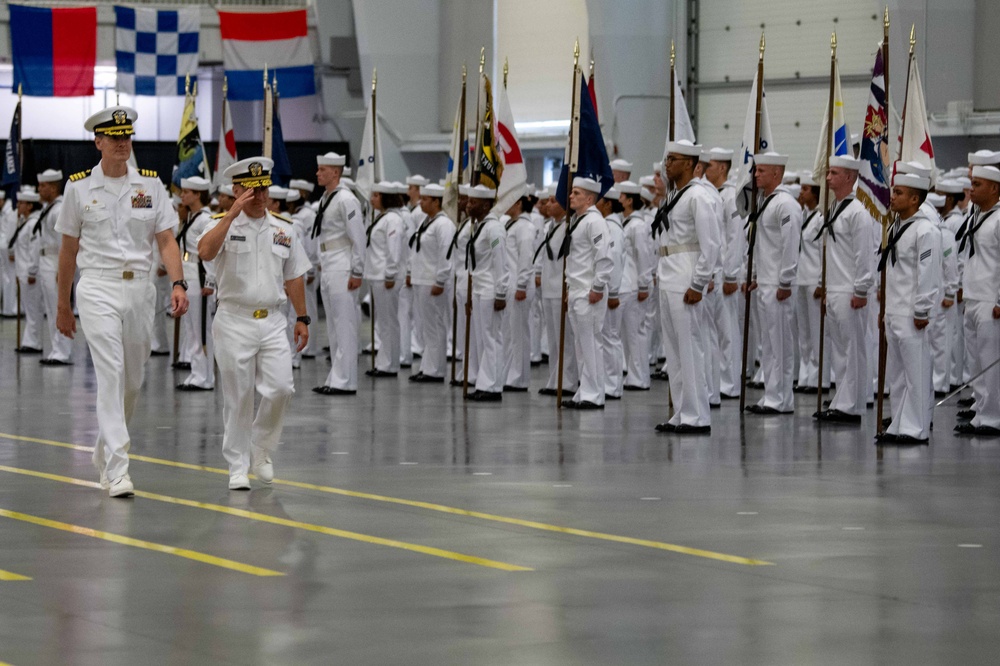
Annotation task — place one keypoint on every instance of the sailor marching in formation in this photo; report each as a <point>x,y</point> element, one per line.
<point>644,282</point>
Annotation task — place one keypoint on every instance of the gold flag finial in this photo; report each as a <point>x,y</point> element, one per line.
<point>374,77</point>
<point>18,93</point>
<point>187,83</point>
<point>482,59</point>
<point>591,63</point>
<point>576,52</point>
<point>673,53</point>
<point>465,73</point>
<point>886,19</point>
<point>506,69</point>
<point>225,85</point>
<point>194,90</point>
<point>762,45</point>
<point>833,42</point>
<point>913,36</point>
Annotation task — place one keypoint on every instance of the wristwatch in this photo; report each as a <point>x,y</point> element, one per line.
<point>181,283</point>
<point>305,319</point>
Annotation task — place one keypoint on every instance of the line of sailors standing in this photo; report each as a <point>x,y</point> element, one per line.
<point>655,275</point>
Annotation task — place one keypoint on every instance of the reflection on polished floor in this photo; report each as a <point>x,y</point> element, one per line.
<point>408,527</point>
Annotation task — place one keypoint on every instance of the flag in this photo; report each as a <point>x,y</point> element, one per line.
<point>683,129</point>
<point>281,172</point>
<point>873,179</point>
<point>589,157</point>
<point>745,169</point>
<point>155,49</point>
<point>277,40</point>
<point>841,133</point>
<point>592,91</point>
<point>369,164</point>
<point>53,50</point>
<point>515,175</point>
<point>488,165</point>
<point>226,155</point>
<point>458,161</point>
<point>12,156</point>
<point>915,142</point>
<point>190,151</point>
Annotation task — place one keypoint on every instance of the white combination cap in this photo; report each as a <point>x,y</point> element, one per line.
<point>196,183</point>
<point>621,165</point>
<point>50,176</point>
<point>770,158</point>
<point>914,181</point>
<point>331,159</point>
<point>113,121</point>
<point>416,179</point>
<point>949,186</point>
<point>432,190</point>
<point>684,147</point>
<point>300,184</point>
<point>251,172</point>
<point>482,192</point>
<point>984,157</point>
<point>628,187</point>
<point>721,155</point>
<point>587,184</point>
<point>845,162</point>
<point>987,173</point>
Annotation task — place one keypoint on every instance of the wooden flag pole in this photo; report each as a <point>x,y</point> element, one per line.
<point>752,228</point>
<point>20,170</point>
<point>574,122</point>
<point>473,180</point>
<point>371,289</point>
<point>826,211</point>
<point>673,82</point>
<point>458,225</point>
<point>882,344</point>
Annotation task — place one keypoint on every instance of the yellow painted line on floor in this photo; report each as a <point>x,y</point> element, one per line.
<point>285,522</point>
<point>138,543</point>
<point>11,576</point>
<point>441,508</point>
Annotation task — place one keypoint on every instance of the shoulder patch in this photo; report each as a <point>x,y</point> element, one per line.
<point>148,173</point>
<point>80,175</point>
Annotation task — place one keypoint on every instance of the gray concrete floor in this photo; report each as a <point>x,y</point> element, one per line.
<point>867,562</point>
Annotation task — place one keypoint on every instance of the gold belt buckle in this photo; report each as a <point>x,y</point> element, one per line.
<point>260,314</point>
<point>187,256</point>
<point>127,275</point>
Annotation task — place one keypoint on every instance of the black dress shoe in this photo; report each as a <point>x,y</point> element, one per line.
<point>159,353</point>
<point>28,350</point>
<point>716,405</point>
<point>329,390</point>
<point>586,404</point>
<point>977,431</point>
<point>967,414</point>
<point>547,391</point>
<point>193,387</point>
<point>457,383</point>
<point>54,361</point>
<point>665,427</point>
<point>608,396</point>
<point>515,389</point>
<point>406,366</point>
<point>965,402</point>
<point>766,411</point>
<point>486,396</point>
<point>755,385</point>
<point>886,422</point>
<point>726,396</point>
<point>181,365</point>
<point>683,429</point>
<point>810,390</point>
<point>899,440</point>
<point>421,378</point>
<point>659,374</point>
<point>367,351</point>
<point>569,404</point>
<point>629,387</point>
<point>308,356</point>
<point>379,373</point>
<point>837,416</point>
<point>535,364</point>
<point>940,394</point>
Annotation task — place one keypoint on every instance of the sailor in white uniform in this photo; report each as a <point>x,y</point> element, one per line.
<point>200,277</point>
<point>50,191</point>
<point>431,277</point>
<point>24,252</point>
<point>383,271</point>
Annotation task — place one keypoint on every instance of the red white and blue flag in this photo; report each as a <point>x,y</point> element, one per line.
<point>277,40</point>
<point>54,50</point>
<point>873,179</point>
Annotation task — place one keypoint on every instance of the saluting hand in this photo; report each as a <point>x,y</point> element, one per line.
<point>241,201</point>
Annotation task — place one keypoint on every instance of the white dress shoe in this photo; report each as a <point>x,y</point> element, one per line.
<point>121,487</point>
<point>263,468</point>
<point>239,482</point>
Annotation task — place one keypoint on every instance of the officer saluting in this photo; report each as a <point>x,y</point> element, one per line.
<point>109,219</point>
<point>259,263</point>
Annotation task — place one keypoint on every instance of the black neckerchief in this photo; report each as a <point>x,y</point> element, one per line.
<point>890,247</point>
<point>454,239</point>
<point>546,243</point>
<point>17,232</point>
<point>752,218</point>
<point>415,238</point>
<point>470,249</point>
<point>806,224</point>
<point>567,239</point>
<point>41,218</point>
<point>828,224</point>
<point>965,224</point>
<point>661,221</point>
<point>324,203</point>
<point>368,232</point>
<point>970,237</point>
<point>632,216</point>
<point>182,235</point>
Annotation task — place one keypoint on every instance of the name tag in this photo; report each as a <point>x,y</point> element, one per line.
<point>237,238</point>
